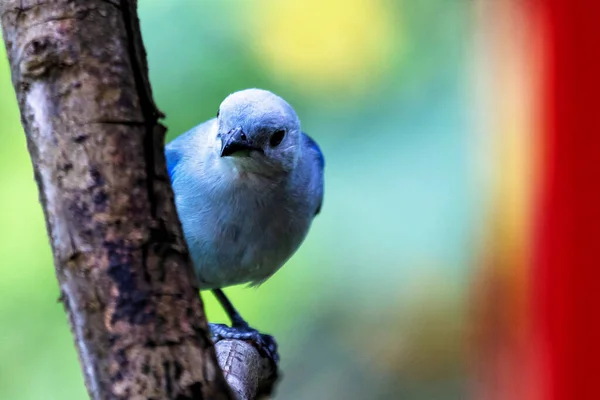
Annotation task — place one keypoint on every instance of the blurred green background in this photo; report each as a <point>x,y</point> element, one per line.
<point>373,304</point>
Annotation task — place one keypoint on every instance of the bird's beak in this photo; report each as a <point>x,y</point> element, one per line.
<point>236,142</point>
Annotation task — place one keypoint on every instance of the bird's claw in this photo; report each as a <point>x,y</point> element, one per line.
<point>265,344</point>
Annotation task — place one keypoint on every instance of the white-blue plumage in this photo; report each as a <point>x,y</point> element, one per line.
<point>247,186</point>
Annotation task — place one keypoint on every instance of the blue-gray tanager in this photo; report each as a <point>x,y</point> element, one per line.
<point>247,185</point>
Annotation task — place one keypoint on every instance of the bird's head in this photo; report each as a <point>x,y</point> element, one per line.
<point>259,131</point>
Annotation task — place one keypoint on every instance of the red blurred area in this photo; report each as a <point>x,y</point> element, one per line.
<point>537,288</point>
<point>566,277</point>
<point>513,56</point>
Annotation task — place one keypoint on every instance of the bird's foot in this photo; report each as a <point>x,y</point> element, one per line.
<point>265,344</point>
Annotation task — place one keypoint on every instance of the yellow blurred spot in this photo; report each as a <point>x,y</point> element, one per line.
<point>335,44</point>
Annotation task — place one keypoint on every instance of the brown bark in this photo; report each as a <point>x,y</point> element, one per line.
<point>96,144</point>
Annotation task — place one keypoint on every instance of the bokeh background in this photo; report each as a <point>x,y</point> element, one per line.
<point>405,99</point>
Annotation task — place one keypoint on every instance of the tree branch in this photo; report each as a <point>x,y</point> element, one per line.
<point>80,74</point>
<point>250,375</point>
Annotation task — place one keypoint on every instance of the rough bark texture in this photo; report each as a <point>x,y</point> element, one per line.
<point>79,71</point>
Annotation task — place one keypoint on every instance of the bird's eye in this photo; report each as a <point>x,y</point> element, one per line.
<point>277,137</point>
<point>218,112</point>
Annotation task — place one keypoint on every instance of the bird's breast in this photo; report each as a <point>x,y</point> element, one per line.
<point>243,230</point>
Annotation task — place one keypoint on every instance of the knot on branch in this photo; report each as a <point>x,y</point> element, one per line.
<point>42,54</point>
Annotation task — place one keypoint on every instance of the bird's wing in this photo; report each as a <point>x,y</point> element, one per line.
<point>176,148</point>
<point>173,156</point>
<point>317,162</point>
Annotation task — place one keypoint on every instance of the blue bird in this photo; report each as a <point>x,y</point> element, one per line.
<point>247,186</point>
